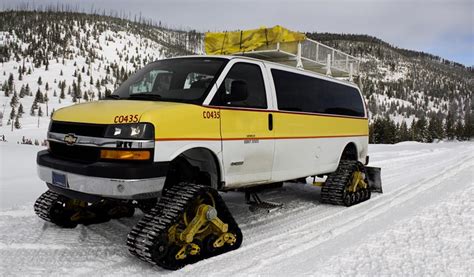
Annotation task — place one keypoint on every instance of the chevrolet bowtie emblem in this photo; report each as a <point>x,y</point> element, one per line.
<point>70,139</point>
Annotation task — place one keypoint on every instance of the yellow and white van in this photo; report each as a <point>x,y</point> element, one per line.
<point>222,122</point>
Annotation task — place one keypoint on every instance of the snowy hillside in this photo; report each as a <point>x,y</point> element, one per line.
<point>51,60</point>
<point>422,225</point>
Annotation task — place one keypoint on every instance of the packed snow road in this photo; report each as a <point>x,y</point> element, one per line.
<point>422,224</point>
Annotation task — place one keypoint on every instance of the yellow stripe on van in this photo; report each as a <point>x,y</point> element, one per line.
<point>178,121</point>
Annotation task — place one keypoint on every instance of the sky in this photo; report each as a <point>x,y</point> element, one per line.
<point>441,27</point>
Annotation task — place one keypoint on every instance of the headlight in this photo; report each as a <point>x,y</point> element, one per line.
<point>130,131</point>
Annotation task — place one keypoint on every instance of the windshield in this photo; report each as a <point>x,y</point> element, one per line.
<point>181,80</point>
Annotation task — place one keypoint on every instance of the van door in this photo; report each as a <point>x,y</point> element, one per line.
<point>246,125</point>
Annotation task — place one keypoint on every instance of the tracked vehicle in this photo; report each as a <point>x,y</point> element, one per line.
<point>180,130</point>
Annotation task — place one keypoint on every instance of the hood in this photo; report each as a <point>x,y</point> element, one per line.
<point>110,111</point>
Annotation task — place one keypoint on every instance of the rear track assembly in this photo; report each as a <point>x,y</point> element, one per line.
<point>347,186</point>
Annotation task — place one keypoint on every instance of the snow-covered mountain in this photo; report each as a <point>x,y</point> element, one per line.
<point>53,59</point>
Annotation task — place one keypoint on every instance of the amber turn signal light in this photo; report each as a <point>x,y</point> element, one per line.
<point>139,155</point>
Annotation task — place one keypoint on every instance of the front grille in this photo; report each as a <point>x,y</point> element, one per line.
<point>80,129</point>
<point>75,153</point>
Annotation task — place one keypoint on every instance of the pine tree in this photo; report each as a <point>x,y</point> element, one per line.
<point>22,92</point>
<point>459,130</point>
<point>17,123</point>
<point>421,130</point>
<point>46,87</point>
<point>435,129</point>
<point>27,90</point>
<point>40,81</point>
<point>12,114</point>
<point>403,132</point>
<point>14,100</point>
<point>5,90</point>
<point>40,112</point>
<point>10,82</point>
<point>449,126</point>
<point>468,125</point>
<point>39,96</point>
<point>20,110</point>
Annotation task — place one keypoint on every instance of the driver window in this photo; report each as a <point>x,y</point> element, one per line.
<point>251,74</point>
<point>154,81</point>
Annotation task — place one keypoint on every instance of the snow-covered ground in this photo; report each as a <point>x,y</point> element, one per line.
<point>422,225</point>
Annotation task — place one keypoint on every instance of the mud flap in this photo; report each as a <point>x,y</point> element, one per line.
<point>374,178</point>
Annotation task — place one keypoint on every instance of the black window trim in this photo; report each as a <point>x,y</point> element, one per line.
<point>264,81</point>
<point>324,78</point>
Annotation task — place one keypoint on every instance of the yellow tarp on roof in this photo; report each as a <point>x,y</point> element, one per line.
<point>226,43</point>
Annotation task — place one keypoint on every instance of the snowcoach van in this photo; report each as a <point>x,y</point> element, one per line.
<point>180,130</point>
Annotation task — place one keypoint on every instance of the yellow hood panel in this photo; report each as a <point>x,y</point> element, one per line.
<point>107,111</point>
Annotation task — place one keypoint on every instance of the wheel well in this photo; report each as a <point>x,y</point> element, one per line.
<point>195,165</point>
<point>349,152</point>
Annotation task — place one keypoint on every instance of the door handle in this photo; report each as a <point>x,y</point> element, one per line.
<point>270,121</point>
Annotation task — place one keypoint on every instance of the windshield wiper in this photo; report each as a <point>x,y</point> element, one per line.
<point>112,96</point>
<point>146,96</point>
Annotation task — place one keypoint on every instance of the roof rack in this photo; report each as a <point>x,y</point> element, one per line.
<point>309,55</point>
<point>280,45</point>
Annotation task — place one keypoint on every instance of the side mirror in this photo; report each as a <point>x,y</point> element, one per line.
<point>238,92</point>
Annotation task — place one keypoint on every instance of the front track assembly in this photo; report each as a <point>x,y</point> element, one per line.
<point>68,213</point>
<point>189,223</point>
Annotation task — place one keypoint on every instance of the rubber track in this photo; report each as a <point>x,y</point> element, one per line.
<point>333,191</point>
<point>50,200</point>
<point>152,229</point>
<point>44,203</point>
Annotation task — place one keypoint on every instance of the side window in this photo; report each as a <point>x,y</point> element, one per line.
<point>251,74</point>
<point>296,92</point>
<point>342,100</point>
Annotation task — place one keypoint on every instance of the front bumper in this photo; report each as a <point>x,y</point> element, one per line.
<point>103,179</point>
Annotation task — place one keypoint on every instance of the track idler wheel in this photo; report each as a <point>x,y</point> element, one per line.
<point>189,223</point>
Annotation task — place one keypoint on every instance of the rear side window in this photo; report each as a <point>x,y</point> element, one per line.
<point>251,74</point>
<point>302,93</point>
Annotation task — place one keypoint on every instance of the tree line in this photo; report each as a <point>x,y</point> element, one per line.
<point>387,131</point>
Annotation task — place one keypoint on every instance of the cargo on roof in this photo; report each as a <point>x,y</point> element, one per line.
<point>227,43</point>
